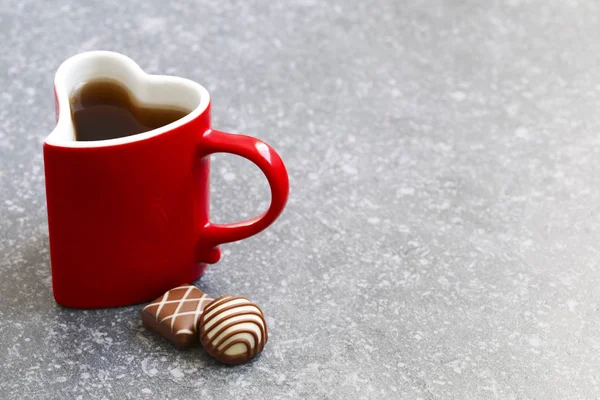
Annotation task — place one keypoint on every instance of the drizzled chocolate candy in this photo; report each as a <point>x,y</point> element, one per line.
<point>176,315</point>
<point>233,329</point>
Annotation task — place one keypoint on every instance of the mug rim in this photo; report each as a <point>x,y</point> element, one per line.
<point>109,65</point>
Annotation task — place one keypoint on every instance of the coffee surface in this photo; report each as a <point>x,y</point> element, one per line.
<point>106,109</point>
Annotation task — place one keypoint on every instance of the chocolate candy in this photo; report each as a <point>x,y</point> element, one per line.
<point>176,314</point>
<point>233,329</point>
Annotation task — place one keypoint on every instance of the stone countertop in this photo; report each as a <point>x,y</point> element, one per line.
<point>442,237</point>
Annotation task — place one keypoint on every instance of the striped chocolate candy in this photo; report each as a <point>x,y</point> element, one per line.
<point>176,314</point>
<point>233,329</point>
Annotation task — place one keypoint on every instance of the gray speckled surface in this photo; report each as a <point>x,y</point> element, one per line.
<point>442,238</point>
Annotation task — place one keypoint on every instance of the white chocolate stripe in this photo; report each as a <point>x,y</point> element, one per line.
<point>162,303</point>
<point>226,303</point>
<point>203,300</point>
<point>174,316</point>
<point>197,312</point>
<point>171,302</point>
<point>239,335</point>
<point>179,306</point>
<point>237,321</point>
<point>239,309</point>
<point>217,304</point>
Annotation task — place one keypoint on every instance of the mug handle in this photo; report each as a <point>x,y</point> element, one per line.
<point>267,159</point>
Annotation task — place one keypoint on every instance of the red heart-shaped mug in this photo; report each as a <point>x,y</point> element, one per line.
<point>129,217</point>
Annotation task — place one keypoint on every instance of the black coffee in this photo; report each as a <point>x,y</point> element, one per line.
<point>105,109</point>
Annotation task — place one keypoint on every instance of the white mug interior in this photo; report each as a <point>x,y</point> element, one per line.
<point>148,90</point>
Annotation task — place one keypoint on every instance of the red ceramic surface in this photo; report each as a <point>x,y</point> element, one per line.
<point>129,217</point>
